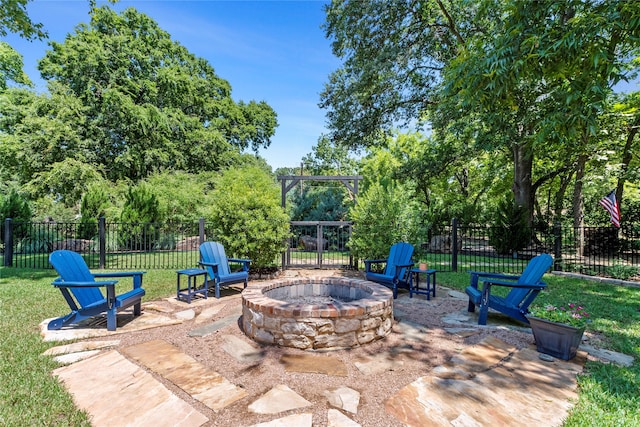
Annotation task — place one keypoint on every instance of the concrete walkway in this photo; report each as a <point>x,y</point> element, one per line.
<point>489,384</point>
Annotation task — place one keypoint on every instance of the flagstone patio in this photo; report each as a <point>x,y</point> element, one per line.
<point>196,368</point>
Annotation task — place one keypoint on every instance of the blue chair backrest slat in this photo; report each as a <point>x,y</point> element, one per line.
<point>214,252</point>
<point>535,269</point>
<point>72,268</point>
<point>400,254</point>
<point>531,275</point>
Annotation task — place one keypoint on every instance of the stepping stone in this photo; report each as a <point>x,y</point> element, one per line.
<point>109,380</point>
<point>458,295</point>
<point>241,350</point>
<point>70,358</point>
<point>296,420</point>
<point>186,314</point>
<point>462,332</point>
<point>80,346</point>
<point>521,390</point>
<point>343,398</point>
<point>202,383</point>
<point>97,326</point>
<point>378,363</point>
<point>208,313</point>
<point>336,418</point>
<point>606,356</point>
<point>157,307</point>
<point>279,399</point>
<point>203,331</point>
<point>312,363</point>
<point>411,331</point>
<point>458,317</point>
<point>482,356</point>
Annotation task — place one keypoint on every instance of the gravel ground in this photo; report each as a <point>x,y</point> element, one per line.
<point>417,357</point>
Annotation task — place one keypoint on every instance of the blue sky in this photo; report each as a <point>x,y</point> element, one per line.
<point>273,51</point>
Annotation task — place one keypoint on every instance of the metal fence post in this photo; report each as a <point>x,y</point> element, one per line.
<point>201,231</point>
<point>102,242</point>
<point>454,245</point>
<point>557,247</point>
<point>8,242</point>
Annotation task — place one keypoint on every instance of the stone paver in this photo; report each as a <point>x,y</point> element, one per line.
<point>116,392</point>
<point>205,330</point>
<point>606,356</point>
<point>313,363</point>
<point>97,327</point>
<point>504,387</point>
<point>344,398</point>
<point>279,399</point>
<point>241,350</point>
<point>66,359</point>
<point>202,383</point>
<point>208,313</point>
<point>296,420</point>
<point>375,364</point>
<point>336,418</point>
<point>80,346</point>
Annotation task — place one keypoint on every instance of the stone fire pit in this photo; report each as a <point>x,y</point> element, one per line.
<point>317,312</point>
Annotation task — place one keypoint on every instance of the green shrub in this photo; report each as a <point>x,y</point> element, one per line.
<point>16,207</point>
<point>621,271</point>
<point>247,217</point>
<point>140,218</point>
<point>510,231</point>
<point>382,217</point>
<point>93,205</point>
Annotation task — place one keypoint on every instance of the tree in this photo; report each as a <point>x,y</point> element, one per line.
<point>11,67</point>
<point>150,104</point>
<point>382,217</point>
<point>247,216</point>
<point>525,77</point>
<point>14,19</point>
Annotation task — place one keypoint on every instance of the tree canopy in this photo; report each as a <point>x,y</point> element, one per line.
<point>529,79</point>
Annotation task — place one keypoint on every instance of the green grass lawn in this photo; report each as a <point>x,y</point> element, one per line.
<point>30,395</point>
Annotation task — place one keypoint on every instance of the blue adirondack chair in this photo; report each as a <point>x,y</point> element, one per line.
<point>524,290</point>
<point>215,261</point>
<point>396,270</point>
<point>82,292</point>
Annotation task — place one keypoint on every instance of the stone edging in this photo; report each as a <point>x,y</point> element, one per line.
<point>607,280</point>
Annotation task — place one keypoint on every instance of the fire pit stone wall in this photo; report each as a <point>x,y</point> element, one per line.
<point>317,312</point>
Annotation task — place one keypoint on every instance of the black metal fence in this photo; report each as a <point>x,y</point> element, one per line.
<point>589,250</point>
<point>105,245</point>
<point>454,247</point>
<point>319,244</point>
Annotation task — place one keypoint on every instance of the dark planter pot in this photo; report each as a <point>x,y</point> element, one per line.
<point>556,339</point>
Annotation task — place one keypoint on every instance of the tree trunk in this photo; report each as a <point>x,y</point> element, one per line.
<point>522,183</point>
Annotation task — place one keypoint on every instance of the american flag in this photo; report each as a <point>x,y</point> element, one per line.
<point>610,203</point>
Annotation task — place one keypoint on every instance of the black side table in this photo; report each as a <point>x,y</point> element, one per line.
<point>414,285</point>
<point>192,288</point>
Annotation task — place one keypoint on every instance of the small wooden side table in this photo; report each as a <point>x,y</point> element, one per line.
<point>414,285</point>
<point>192,287</point>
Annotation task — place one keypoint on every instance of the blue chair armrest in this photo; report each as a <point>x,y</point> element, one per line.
<point>61,284</point>
<point>539,285</point>
<point>208,264</point>
<point>245,262</point>
<point>494,275</point>
<point>137,276</point>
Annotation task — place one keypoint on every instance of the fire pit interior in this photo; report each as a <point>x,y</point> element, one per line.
<point>317,312</point>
